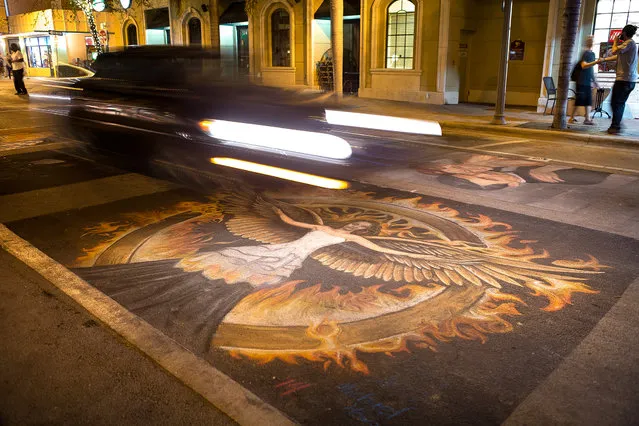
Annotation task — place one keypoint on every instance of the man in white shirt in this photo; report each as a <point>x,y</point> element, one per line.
<point>17,62</point>
<point>624,50</point>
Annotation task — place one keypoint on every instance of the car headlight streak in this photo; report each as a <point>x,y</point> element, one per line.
<point>51,97</point>
<point>383,122</point>
<point>322,182</point>
<point>277,138</point>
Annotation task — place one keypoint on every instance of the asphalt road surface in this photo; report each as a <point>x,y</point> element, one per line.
<point>463,279</point>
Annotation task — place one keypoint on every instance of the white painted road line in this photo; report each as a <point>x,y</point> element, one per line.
<point>223,392</point>
<point>41,202</point>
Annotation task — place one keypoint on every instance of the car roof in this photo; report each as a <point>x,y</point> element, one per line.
<point>162,52</point>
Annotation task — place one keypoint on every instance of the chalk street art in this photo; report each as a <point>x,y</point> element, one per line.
<point>487,172</point>
<point>325,277</point>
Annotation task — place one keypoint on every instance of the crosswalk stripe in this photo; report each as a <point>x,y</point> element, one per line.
<point>90,193</point>
<point>29,148</point>
<point>24,136</point>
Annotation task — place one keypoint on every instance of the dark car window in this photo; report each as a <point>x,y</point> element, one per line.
<point>67,71</point>
<point>158,70</point>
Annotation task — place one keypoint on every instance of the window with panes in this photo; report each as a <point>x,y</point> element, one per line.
<point>400,35</point>
<point>612,15</point>
<point>38,52</point>
<point>280,39</point>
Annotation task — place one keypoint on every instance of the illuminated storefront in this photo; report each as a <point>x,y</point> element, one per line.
<point>38,53</point>
<point>428,51</point>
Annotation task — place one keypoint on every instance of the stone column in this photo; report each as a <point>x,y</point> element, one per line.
<point>337,45</point>
<point>309,71</point>
<point>254,74</point>
<point>214,19</point>
<point>442,50</point>
<point>175,26</point>
<point>549,52</point>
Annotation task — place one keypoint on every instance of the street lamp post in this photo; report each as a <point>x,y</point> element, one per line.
<point>500,105</point>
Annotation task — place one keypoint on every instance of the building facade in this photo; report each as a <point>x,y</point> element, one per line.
<point>430,51</point>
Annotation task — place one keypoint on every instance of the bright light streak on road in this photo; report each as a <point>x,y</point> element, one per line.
<point>57,86</point>
<point>52,97</point>
<point>383,122</point>
<point>322,182</point>
<point>278,138</point>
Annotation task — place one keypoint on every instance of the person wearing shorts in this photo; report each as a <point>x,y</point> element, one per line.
<point>585,81</point>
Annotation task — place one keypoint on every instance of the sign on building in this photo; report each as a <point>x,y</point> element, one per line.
<point>517,50</point>
<point>614,33</point>
<point>104,37</point>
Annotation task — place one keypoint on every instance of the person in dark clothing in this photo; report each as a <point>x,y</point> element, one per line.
<point>624,51</point>
<point>585,80</point>
<point>17,62</point>
<point>7,65</point>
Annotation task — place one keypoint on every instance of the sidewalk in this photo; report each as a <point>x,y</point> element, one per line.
<point>521,121</point>
<point>59,365</point>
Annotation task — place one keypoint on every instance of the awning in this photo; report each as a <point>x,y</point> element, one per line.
<point>351,7</point>
<point>234,13</point>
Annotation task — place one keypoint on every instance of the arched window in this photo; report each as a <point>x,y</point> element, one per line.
<point>131,35</point>
<point>280,38</point>
<point>400,35</point>
<point>195,31</point>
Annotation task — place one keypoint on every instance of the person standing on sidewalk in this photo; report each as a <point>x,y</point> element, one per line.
<point>624,51</point>
<point>17,62</point>
<point>585,81</point>
<point>7,65</point>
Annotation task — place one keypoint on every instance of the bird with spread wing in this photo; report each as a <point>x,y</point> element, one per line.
<point>291,233</point>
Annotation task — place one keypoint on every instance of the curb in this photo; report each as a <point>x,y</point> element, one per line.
<point>617,141</point>
<point>219,389</point>
<point>452,125</point>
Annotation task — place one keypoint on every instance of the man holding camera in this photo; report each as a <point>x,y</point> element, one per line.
<point>624,50</point>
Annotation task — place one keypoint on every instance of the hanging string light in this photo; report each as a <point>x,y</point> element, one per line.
<point>88,6</point>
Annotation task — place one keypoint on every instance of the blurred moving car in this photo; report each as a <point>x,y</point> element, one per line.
<point>170,103</point>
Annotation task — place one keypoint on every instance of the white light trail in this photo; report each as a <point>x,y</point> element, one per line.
<point>278,138</point>
<point>53,97</point>
<point>383,122</point>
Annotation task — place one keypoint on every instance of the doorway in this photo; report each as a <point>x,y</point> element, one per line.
<point>195,32</point>
<point>158,26</point>
<point>242,49</point>
<point>351,55</point>
<point>322,52</point>
<point>234,41</point>
<point>131,35</point>
<point>463,64</point>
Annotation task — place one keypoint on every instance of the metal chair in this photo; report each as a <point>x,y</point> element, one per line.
<point>551,90</point>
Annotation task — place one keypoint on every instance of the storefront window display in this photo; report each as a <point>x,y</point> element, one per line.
<point>38,52</point>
